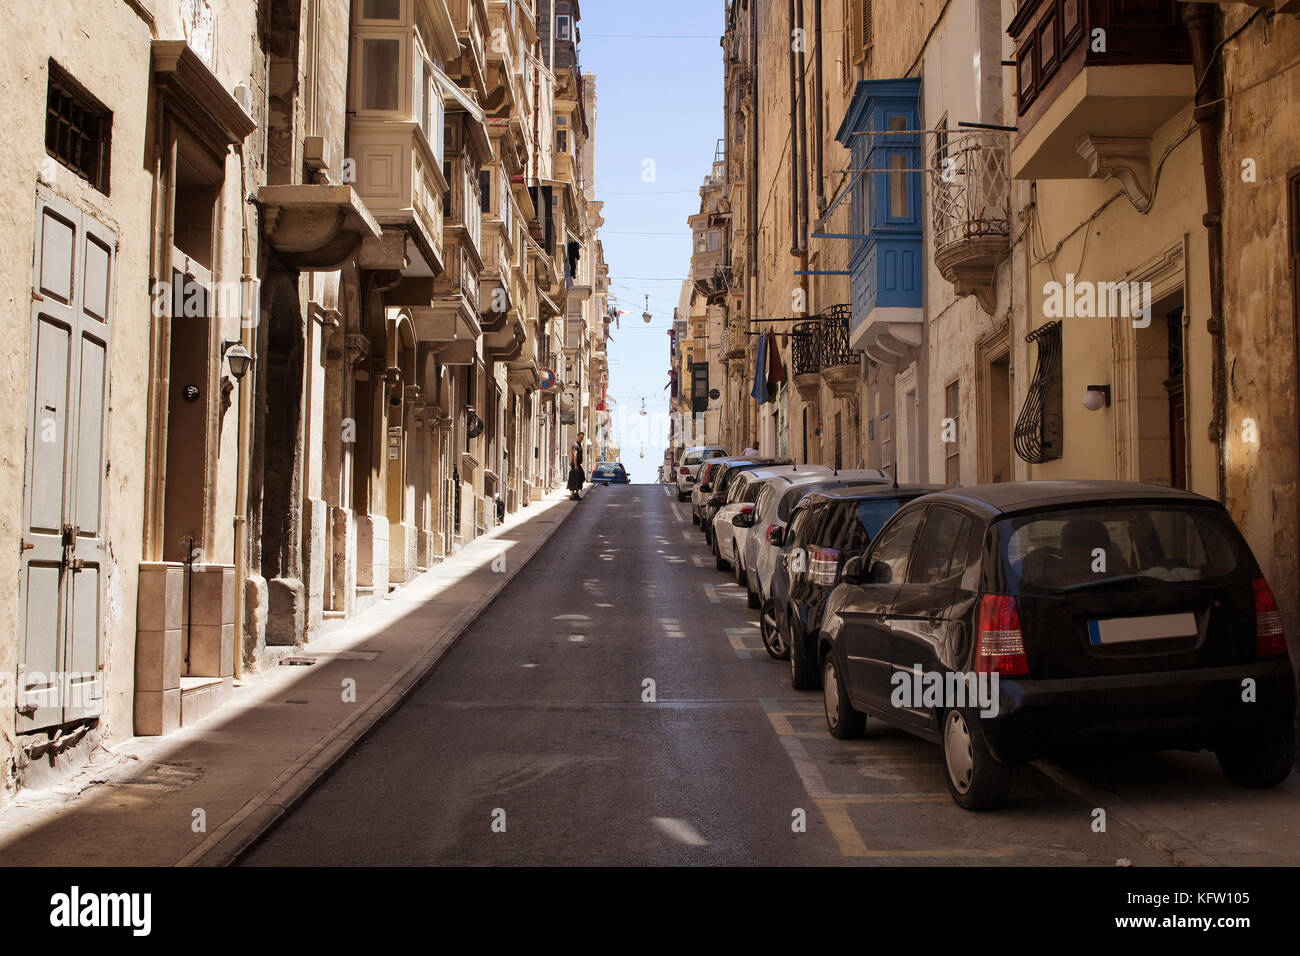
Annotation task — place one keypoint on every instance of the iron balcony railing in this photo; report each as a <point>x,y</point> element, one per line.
<point>823,342</point>
<point>971,179</point>
<point>805,348</point>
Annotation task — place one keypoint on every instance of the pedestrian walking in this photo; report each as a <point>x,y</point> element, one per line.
<point>576,475</point>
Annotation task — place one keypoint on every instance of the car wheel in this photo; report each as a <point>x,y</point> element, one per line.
<point>708,536</point>
<point>695,519</point>
<point>770,630</point>
<point>1259,763</point>
<point>842,720</point>
<point>736,565</point>
<point>719,561</point>
<point>803,667</point>
<point>681,497</point>
<point>976,779</point>
<point>753,599</point>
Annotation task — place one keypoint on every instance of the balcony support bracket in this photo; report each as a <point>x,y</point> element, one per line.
<point>1125,158</point>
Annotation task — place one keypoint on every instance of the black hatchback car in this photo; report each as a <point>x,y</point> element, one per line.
<point>610,473</point>
<point>826,529</point>
<point>1021,619</point>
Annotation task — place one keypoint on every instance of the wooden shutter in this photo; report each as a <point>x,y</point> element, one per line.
<point>866,27</point>
<point>853,33</point>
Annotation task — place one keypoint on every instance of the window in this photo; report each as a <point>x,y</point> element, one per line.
<point>1038,435</point>
<point>382,10</point>
<point>561,141</point>
<point>485,190</point>
<point>943,552</point>
<point>77,128</point>
<point>951,438</point>
<point>859,30</point>
<point>889,557</point>
<point>563,28</point>
<point>715,240</point>
<point>701,244</point>
<point>380,60</point>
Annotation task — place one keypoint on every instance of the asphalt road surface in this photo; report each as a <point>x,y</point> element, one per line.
<point>533,741</point>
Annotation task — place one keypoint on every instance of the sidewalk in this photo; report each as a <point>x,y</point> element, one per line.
<point>201,795</point>
<point>1181,805</point>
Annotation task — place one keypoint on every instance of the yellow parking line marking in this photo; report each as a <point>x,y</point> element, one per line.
<point>851,844</point>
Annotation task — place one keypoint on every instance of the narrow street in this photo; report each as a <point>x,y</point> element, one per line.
<point>538,712</point>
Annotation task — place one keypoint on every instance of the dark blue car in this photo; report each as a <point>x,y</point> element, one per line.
<point>610,473</point>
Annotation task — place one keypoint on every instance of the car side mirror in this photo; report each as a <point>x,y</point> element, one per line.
<point>742,520</point>
<point>881,573</point>
<point>776,536</point>
<point>706,488</point>
<point>853,569</point>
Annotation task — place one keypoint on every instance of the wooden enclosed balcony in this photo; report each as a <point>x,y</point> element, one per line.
<point>1094,80</point>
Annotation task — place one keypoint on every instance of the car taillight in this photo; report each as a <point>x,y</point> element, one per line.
<point>1270,638</point>
<point>684,473</point>
<point>773,534</point>
<point>1000,647</point>
<point>746,509</point>
<point>824,563</point>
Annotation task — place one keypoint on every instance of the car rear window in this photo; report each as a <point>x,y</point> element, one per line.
<point>692,460</point>
<point>1119,546</point>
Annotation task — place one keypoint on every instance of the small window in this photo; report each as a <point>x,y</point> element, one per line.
<point>561,141</point>
<point>485,190</point>
<point>77,128</point>
<point>892,548</point>
<point>943,553</point>
<point>951,438</point>
<point>563,28</point>
<point>382,10</point>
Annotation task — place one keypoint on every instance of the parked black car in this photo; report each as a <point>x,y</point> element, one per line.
<point>719,483</point>
<point>610,473</point>
<point>826,529</point>
<point>1113,614</point>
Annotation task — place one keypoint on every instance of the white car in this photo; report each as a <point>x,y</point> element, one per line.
<point>689,469</point>
<point>757,555</point>
<point>741,496</point>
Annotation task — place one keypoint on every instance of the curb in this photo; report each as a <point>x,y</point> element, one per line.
<point>1149,831</point>
<point>225,845</point>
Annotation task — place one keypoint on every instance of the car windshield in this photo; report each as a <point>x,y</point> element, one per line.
<point>1120,546</point>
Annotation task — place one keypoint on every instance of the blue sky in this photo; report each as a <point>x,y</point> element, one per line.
<point>659,94</point>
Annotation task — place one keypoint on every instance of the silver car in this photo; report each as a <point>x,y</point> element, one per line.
<point>742,497</point>
<point>689,470</point>
<point>772,510</point>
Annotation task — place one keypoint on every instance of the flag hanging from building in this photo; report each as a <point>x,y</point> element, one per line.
<point>760,392</point>
<point>775,367</point>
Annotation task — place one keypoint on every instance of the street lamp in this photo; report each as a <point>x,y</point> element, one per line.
<point>233,351</point>
<point>646,316</point>
<point>1096,397</point>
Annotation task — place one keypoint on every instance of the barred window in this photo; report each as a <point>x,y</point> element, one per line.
<point>77,128</point>
<point>952,445</point>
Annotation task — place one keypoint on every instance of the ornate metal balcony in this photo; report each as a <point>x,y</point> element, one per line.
<point>971,185</point>
<point>839,362</point>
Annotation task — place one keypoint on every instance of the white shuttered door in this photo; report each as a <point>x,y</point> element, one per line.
<point>62,579</point>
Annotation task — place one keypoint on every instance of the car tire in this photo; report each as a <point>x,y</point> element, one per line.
<point>842,720</point>
<point>976,779</point>
<point>737,567</point>
<point>770,630</point>
<point>708,536</point>
<point>695,519</point>
<point>719,561</point>
<point>753,599</point>
<point>681,497</point>
<point>803,668</point>
<point>1259,763</point>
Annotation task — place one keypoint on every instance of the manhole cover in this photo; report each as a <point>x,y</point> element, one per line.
<point>298,661</point>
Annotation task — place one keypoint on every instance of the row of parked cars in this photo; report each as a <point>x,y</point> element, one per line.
<point>1008,621</point>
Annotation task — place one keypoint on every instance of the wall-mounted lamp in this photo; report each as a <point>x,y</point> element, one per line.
<point>1096,397</point>
<point>233,351</point>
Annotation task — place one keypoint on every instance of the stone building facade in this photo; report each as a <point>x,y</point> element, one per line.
<point>289,316</point>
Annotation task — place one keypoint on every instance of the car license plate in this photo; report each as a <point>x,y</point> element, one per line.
<point>1125,630</point>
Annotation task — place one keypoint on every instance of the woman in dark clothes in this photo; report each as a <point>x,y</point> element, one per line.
<point>576,475</point>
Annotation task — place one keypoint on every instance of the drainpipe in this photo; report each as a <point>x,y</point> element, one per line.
<point>248,280</point>
<point>819,110</point>
<point>1200,23</point>
<point>802,136</point>
<point>794,147</point>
